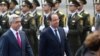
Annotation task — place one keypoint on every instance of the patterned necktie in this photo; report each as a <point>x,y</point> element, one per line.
<point>57,36</point>
<point>18,39</point>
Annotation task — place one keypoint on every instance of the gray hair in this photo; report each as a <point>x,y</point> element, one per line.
<point>13,17</point>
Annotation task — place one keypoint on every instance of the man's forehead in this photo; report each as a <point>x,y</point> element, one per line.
<point>18,18</point>
<point>55,15</point>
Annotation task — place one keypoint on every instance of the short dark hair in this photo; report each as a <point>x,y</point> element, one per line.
<point>92,41</point>
<point>50,16</point>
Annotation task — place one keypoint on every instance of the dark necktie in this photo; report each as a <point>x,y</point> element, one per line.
<point>57,36</point>
<point>18,39</point>
<point>70,15</point>
<point>45,17</point>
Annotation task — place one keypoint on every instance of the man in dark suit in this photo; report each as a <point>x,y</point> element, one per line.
<point>53,41</point>
<point>14,42</point>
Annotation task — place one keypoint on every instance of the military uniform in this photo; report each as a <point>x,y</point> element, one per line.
<point>46,21</point>
<point>75,28</point>
<point>75,24</point>
<point>86,20</point>
<point>38,20</point>
<point>29,25</point>
<point>4,24</point>
<point>62,17</point>
<point>14,10</point>
<point>48,5</point>
<point>86,25</point>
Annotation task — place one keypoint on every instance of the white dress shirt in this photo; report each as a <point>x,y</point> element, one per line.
<point>55,33</point>
<point>4,13</point>
<point>14,32</point>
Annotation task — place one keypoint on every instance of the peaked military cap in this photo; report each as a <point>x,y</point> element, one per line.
<point>13,1</point>
<point>82,1</point>
<point>4,2</point>
<point>97,1</point>
<point>49,2</point>
<point>36,2</point>
<point>27,3</point>
<point>74,2</point>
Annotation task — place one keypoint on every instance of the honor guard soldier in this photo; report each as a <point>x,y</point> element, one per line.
<point>28,23</point>
<point>13,7</point>
<point>36,14</point>
<point>75,26</point>
<point>47,8</point>
<point>55,9</point>
<point>38,20</point>
<point>86,20</point>
<point>4,17</point>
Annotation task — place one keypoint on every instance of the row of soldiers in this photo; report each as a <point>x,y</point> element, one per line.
<point>77,24</point>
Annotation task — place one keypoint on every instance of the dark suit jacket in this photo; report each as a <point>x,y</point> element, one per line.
<point>85,51</point>
<point>50,46</point>
<point>10,47</point>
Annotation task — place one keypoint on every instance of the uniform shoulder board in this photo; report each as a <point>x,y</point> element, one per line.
<point>61,13</point>
<point>86,12</point>
<point>17,12</point>
<point>38,13</point>
<point>30,15</point>
<point>8,14</point>
<point>80,15</point>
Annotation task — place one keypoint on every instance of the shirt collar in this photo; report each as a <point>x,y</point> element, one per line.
<point>53,28</point>
<point>14,31</point>
<point>73,13</point>
<point>4,13</point>
<point>55,11</point>
<point>24,14</point>
<point>33,11</point>
<point>98,14</point>
<point>79,11</point>
<point>47,14</point>
<point>12,10</point>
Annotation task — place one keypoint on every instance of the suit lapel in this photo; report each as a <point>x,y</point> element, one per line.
<point>22,40</point>
<point>52,34</point>
<point>61,35</point>
<point>13,38</point>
